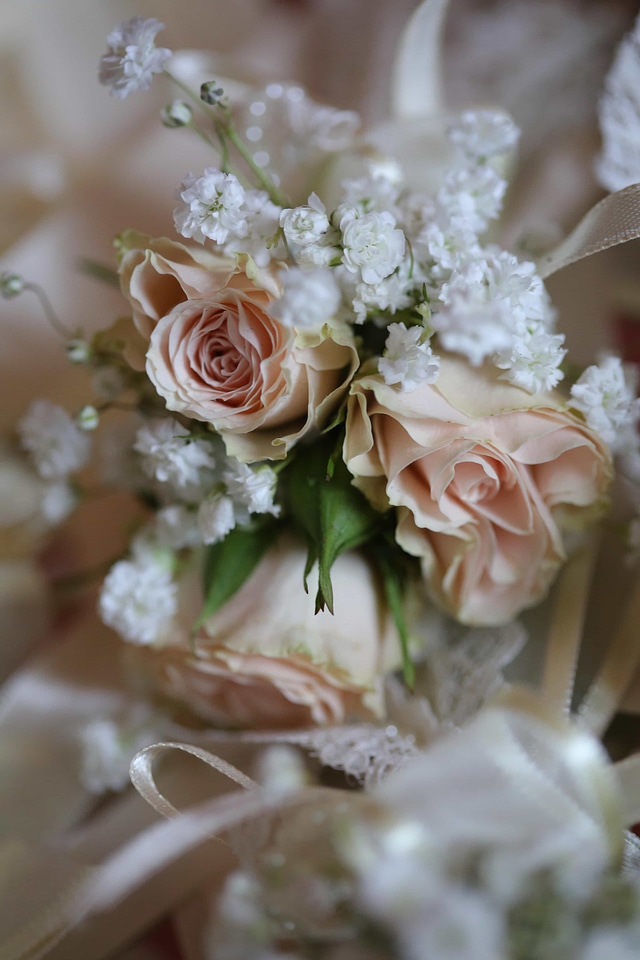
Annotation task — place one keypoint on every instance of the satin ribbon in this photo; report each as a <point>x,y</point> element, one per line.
<point>570,601</point>
<point>417,76</point>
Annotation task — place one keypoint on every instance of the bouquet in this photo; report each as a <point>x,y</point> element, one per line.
<point>359,450</point>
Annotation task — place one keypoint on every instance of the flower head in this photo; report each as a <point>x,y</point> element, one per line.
<point>373,245</point>
<point>132,57</point>
<point>606,399</point>
<point>212,207</point>
<point>139,599</point>
<point>57,446</point>
<point>172,457</point>
<point>482,134</point>
<point>309,298</point>
<point>407,360</point>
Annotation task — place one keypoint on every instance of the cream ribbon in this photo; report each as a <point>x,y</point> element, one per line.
<point>614,220</point>
<point>570,600</point>
<point>417,77</point>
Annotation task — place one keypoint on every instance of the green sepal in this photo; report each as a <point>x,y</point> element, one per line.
<point>230,563</point>
<point>332,513</point>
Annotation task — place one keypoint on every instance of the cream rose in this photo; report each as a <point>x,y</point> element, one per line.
<point>158,274</point>
<point>484,476</point>
<point>225,360</point>
<point>265,659</point>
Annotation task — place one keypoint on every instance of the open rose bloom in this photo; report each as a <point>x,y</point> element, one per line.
<point>485,480</point>
<point>265,660</point>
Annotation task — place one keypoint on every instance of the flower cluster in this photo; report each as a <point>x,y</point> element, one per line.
<point>357,368</point>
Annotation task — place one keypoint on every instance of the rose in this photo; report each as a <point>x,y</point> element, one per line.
<point>265,660</point>
<point>484,477</point>
<point>157,274</point>
<point>225,360</point>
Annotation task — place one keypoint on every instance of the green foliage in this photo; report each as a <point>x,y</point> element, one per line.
<point>332,514</point>
<point>230,563</point>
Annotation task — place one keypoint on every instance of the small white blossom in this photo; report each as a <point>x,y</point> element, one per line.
<point>517,281</point>
<point>213,207</point>
<point>378,190</point>
<point>216,518</point>
<point>171,457</point>
<point>53,440</point>
<point>606,398</point>
<point>109,746</point>
<point>309,298</point>
<point>261,240</point>
<point>305,225</point>
<point>251,488</point>
<point>373,246</point>
<point>533,361</point>
<point>451,249</point>
<point>473,321</point>
<point>618,165</point>
<point>474,195</point>
<point>132,57</point>
<point>407,360</point>
<point>105,760</point>
<point>394,293</point>
<point>138,600</point>
<point>483,134</point>
<point>58,500</point>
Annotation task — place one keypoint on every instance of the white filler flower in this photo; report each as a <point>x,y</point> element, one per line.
<point>406,360</point>
<point>138,600</point>
<point>55,443</point>
<point>373,246</point>
<point>212,207</point>
<point>603,395</point>
<point>132,57</point>
<point>309,298</point>
<point>171,456</point>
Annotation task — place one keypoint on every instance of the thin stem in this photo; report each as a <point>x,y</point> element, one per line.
<point>262,177</point>
<point>48,310</point>
<point>186,90</point>
<point>98,271</point>
<point>226,132</point>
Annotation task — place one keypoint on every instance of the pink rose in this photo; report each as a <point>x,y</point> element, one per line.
<point>225,360</point>
<point>484,477</point>
<point>265,659</point>
<point>158,274</point>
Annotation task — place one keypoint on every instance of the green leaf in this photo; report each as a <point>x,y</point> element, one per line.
<point>231,562</point>
<point>393,582</point>
<point>334,516</point>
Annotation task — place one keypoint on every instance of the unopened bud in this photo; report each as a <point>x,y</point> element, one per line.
<point>11,284</point>
<point>78,351</point>
<point>211,92</point>
<point>88,418</point>
<point>177,114</point>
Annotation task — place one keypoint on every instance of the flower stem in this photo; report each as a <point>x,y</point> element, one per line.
<point>49,312</point>
<point>227,134</point>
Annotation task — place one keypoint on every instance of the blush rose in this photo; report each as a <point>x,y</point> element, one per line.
<point>226,361</point>
<point>266,660</point>
<point>484,477</point>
